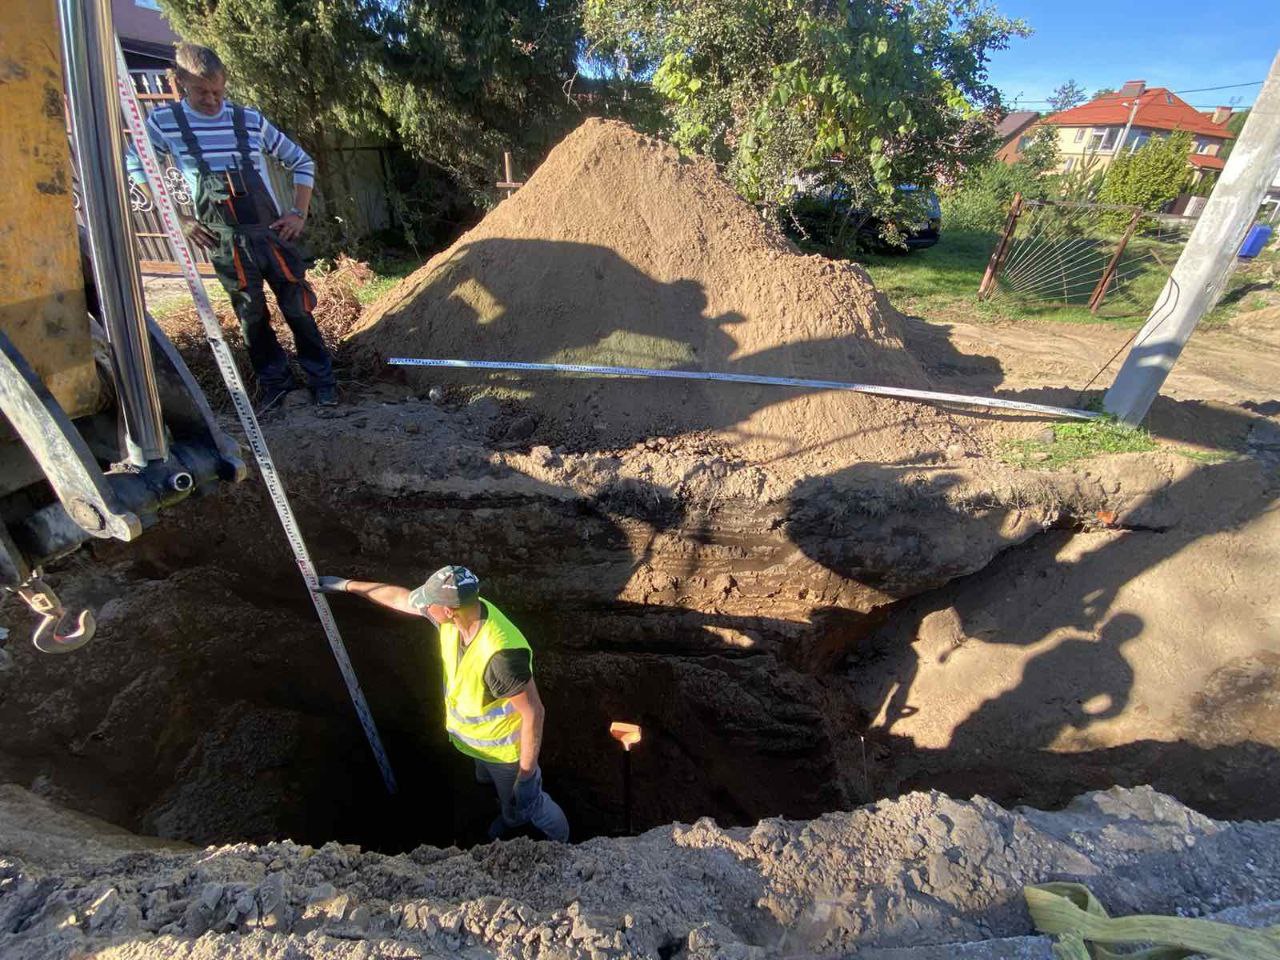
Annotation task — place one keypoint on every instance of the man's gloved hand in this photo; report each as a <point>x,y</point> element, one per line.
<point>333,584</point>
<point>527,792</point>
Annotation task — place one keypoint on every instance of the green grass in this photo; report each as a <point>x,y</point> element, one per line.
<point>1252,286</point>
<point>1210,457</point>
<point>1077,440</point>
<point>388,274</point>
<point>162,305</point>
<point>933,279</point>
<point>941,283</point>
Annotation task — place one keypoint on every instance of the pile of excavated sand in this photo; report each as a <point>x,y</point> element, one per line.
<point>620,252</point>
<point>917,878</point>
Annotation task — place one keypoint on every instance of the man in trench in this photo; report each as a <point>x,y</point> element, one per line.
<point>219,147</point>
<point>493,713</point>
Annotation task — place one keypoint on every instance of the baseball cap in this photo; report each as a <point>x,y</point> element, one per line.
<point>451,586</point>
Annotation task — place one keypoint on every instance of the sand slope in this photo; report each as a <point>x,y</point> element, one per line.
<point>618,251</point>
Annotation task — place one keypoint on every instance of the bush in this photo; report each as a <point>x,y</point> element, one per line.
<point>981,201</point>
<point>1150,177</point>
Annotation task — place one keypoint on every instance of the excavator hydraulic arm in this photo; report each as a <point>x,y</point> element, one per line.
<point>104,424</point>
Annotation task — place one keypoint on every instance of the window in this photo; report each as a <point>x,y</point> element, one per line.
<point>1079,134</point>
<point>1023,141</point>
<point>1071,162</point>
<point>1103,138</point>
<point>1205,145</point>
<point>1136,139</point>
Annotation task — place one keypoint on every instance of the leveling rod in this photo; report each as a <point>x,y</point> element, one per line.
<point>898,393</point>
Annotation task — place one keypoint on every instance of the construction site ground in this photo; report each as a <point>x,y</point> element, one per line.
<point>836,617</point>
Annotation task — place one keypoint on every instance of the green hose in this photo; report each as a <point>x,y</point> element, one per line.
<point>1072,913</point>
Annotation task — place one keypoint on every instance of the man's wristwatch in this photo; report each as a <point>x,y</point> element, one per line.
<point>297,213</point>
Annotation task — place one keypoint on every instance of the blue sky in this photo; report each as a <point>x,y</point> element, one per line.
<point>1179,44</point>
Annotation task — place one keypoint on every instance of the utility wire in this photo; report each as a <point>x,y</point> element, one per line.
<point>1229,86</point>
<point>1226,86</point>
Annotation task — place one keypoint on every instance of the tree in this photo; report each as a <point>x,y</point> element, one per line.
<point>858,95</point>
<point>468,80</point>
<point>1102,92</point>
<point>1041,154</point>
<point>452,82</point>
<point>1151,176</point>
<point>1066,96</point>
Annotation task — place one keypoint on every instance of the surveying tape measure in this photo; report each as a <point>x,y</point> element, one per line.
<point>244,409</point>
<point>900,393</point>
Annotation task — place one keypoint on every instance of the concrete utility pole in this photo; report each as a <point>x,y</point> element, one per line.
<point>1124,134</point>
<point>1202,270</point>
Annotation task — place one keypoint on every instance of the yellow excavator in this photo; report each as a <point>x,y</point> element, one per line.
<point>104,425</point>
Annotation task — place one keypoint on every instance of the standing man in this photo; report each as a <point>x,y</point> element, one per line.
<point>492,709</point>
<point>219,146</point>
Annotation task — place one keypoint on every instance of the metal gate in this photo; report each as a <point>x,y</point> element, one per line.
<point>154,88</point>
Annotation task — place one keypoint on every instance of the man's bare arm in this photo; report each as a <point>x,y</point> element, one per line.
<point>384,594</point>
<point>529,705</point>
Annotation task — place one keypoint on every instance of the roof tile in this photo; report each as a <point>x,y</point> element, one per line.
<point>1206,162</point>
<point>1158,109</point>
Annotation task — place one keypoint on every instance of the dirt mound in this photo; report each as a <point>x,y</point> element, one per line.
<point>920,870</point>
<point>618,251</point>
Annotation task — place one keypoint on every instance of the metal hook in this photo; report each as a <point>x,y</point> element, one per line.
<point>53,635</point>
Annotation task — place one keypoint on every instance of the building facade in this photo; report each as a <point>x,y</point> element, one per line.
<point>1093,134</point>
<point>1015,132</point>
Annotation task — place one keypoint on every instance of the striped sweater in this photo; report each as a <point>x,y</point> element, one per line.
<point>217,138</point>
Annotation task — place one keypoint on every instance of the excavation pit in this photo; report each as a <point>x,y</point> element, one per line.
<point>806,600</point>
<point>758,642</point>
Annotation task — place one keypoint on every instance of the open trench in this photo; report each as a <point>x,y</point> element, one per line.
<point>741,637</point>
<point>209,707</point>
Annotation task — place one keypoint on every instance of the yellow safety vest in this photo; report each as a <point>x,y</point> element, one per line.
<point>481,728</point>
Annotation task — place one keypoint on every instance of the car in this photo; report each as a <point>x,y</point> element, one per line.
<point>928,230</point>
<point>818,216</point>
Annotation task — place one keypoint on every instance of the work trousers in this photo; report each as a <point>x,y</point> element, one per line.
<point>544,813</point>
<point>245,259</point>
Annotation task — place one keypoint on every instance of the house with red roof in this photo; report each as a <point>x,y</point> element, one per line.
<point>1097,132</point>
<point>1015,133</point>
